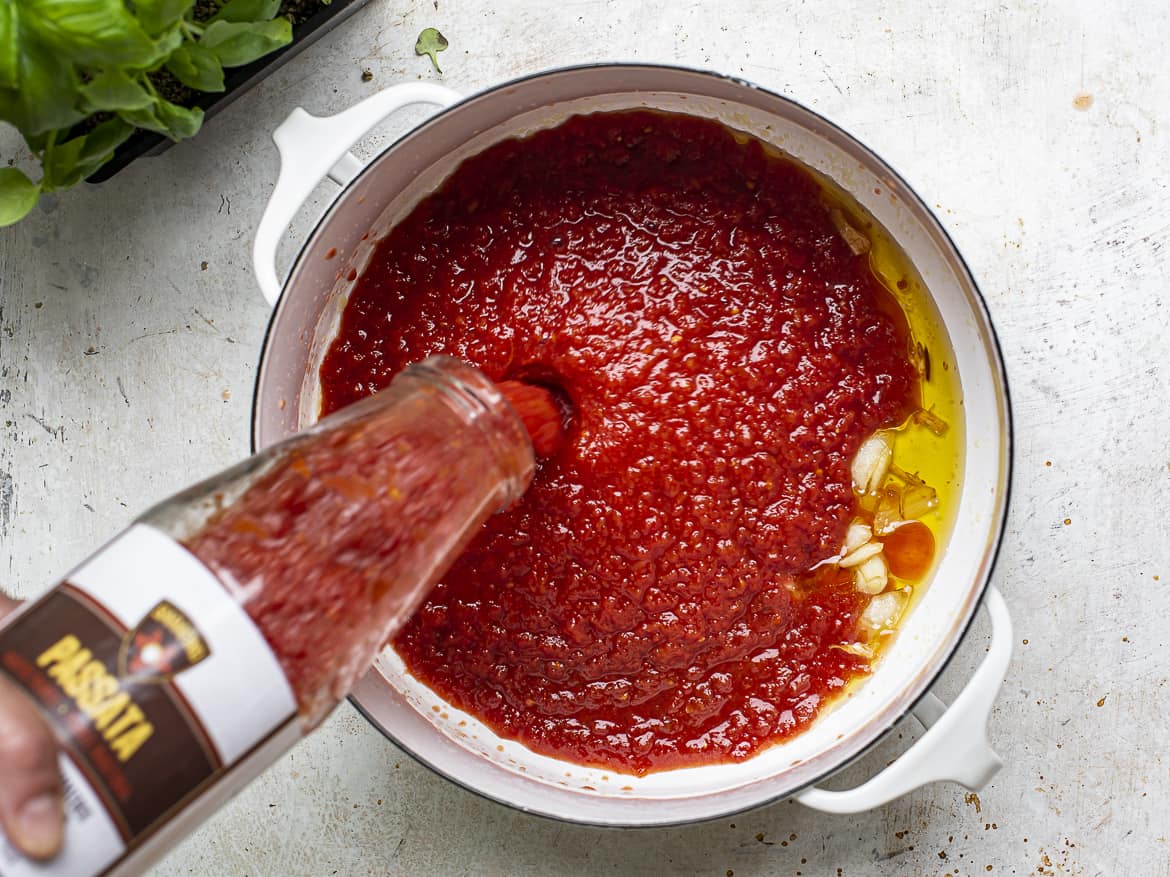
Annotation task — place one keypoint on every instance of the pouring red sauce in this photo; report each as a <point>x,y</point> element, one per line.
<point>649,603</point>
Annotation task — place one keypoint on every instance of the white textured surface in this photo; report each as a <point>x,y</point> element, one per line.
<point>133,376</point>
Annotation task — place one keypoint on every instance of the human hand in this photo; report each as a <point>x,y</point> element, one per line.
<point>31,808</point>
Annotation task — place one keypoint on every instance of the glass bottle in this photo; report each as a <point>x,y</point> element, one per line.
<point>225,623</point>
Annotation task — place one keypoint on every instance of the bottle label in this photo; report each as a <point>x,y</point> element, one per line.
<point>156,681</point>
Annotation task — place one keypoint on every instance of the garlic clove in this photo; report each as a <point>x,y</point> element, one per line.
<point>884,610</point>
<point>871,463</point>
<point>871,576</point>
<point>857,535</point>
<point>860,555</point>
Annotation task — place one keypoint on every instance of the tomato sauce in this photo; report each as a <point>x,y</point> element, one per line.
<point>649,602</point>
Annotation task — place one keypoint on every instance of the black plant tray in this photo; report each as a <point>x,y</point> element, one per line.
<point>237,80</point>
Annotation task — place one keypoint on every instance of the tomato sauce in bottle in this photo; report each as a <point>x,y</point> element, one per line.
<point>198,645</point>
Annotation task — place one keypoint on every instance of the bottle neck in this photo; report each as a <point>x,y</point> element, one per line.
<point>479,403</point>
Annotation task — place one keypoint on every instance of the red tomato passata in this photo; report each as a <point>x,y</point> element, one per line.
<point>647,603</point>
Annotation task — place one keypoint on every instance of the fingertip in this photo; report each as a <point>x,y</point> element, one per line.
<point>31,806</point>
<point>7,605</point>
<point>40,827</point>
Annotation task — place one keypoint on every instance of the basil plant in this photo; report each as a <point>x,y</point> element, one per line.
<point>77,77</point>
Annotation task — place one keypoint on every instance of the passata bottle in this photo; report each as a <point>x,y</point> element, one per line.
<point>197,646</point>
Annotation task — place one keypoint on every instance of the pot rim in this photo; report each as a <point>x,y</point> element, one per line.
<point>996,531</point>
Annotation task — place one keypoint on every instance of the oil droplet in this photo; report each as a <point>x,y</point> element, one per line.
<point>1083,101</point>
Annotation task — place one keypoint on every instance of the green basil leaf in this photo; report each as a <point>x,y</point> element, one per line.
<point>37,142</point>
<point>9,46</point>
<point>431,42</point>
<point>146,118</point>
<point>166,43</point>
<point>247,10</point>
<point>158,15</point>
<point>166,118</point>
<point>105,138</point>
<point>67,164</point>
<point>73,161</point>
<point>113,89</point>
<point>18,195</point>
<point>181,122</point>
<point>196,67</point>
<point>238,43</point>
<point>91,32</point>
<point>59,163</point>
<point>46,96</point>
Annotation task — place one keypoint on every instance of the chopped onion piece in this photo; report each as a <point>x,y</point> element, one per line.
<point>918,500</point>
<point>872,462</point>
<point>860,555</point>
<point>902,475</point>
<point>857,535</point>
<point>862,650</point>
<point>857,241</point>
<point>920,358</point>
<point>887,515</point>
<point>872,576</point>
<point>884,610</point>
<point>931,421</point>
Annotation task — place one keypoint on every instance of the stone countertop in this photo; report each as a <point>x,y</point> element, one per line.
<point>130,326</point>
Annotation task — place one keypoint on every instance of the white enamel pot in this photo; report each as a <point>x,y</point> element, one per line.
<point>373,197</point>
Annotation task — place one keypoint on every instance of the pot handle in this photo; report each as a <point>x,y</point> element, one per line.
<point>311,148</point>
<point>955,746</point>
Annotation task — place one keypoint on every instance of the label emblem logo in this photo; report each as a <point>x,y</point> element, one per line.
<point>162,645</point>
